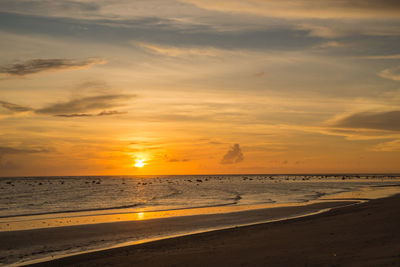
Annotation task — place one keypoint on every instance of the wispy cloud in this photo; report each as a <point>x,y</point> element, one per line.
<point>42,65</point>
<point>388,146</point>
<point>14,107</point>
<point>323,31</point>
<point>330,44</point>
<point>13,150</point>
<point>395,56</point>
<point>74,115</point>
<point>174,159</point>
<point>63,8</point>
<point>175,51</point>
<point>234,155</point>
<point>110,112</point>
<point>391,73</point>
<point>86,104</point>
<point>103,113</point>
<point>306,8</point>
<point>388,120</point>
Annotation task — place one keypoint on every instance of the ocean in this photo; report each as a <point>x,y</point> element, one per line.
<point>30,196</point>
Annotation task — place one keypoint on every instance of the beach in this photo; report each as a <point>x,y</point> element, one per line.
<point>365,234</point>
<point>360,235</point>
<point>29,246</point>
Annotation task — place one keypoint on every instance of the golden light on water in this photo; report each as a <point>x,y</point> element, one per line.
<point>140,216</point>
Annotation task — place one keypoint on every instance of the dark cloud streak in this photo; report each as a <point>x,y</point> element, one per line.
<point>111,112</point>
<point>12,150</point>
<point>103,113</point>
<point>41,65</point>
<point>389,120</point>
<point>14,107</point>
<point>29,6</point>
<point>82,105</point>
<point>74,115</point>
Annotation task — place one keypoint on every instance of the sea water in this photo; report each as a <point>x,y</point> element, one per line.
<point>27,196</point>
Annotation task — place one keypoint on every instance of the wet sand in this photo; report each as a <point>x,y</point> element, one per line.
<point>367,234</point>
<point>22,246</point>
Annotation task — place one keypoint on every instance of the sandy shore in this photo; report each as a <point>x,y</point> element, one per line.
<point>26,245</point>
<point>361,235</point>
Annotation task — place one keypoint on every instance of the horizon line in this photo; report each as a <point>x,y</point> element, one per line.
<point>233,174</point>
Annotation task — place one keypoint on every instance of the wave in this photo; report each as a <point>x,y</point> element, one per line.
<point>175,192</point>
<point>72,211</point>
<point>120,207</point>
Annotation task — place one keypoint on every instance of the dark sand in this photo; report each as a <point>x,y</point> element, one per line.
<point>34,244</point>
<point>361,235</point>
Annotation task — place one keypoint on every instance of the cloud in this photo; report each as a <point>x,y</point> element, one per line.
<point>395,56</point>
<point>259,74</point>
<point>306,8</point>
<point>174,159</point>
<point>14,107</point>
<point>339,29</point>
<point>74,115</point>
<point>97,85</point>
<point>80,106</point>
<point>174,51</point>
<point>41,65</point>
<point>110,112</point>
<point>103,113</point>
<point>391,73</point>
<point>371,120</point>
<point>234,155</point>
<point>330,44</point>
<point>178,160</point>
<point>321,31</point>
<point>12,150</point>
<point>388,146</point>
<point>353,133</point>
<point>50,7</point>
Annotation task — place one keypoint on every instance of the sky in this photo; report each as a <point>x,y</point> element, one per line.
<point>129,87</point>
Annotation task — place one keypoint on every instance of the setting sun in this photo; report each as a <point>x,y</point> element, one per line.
<point>139,163</point>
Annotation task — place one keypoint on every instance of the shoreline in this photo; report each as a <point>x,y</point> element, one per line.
<point>65,219</point>
<point>365,234</point>
<point>151,240</point>
<point>46,244</point>
<point>37,245</point>
<point>58,220</point>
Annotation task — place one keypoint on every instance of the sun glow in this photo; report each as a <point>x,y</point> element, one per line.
<point>139,163</point>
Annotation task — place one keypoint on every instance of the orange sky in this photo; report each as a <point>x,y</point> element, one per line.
<point>199,87</point>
